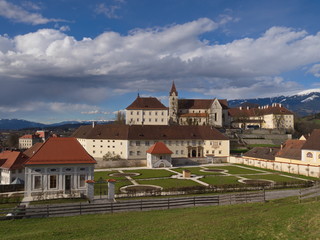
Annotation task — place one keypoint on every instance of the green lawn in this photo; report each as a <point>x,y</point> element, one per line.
<point>236,170</point>
<point>150,173</point>
<point>220,180</point>
<point>282,219</point>
<point>273,177</point>
<point>196,171</point>
<point>170,183</point>
<point>106,175</point>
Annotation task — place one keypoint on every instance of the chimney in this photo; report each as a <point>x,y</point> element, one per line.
<point>247,107</point>
<point>93,124</point>
<point>240,108</point>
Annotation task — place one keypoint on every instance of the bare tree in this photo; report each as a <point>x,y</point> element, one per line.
<point>120,118</point>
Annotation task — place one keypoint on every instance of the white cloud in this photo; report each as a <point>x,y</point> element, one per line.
<point>110,10</point>
<point>50,64</point>
<point>95,112</point>
<point>315,70</point>
<point>18,14</point>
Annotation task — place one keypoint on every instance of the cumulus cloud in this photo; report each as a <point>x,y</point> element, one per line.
<point>18,14</point>
<point>315,70</point>
<point>50,64</point>
<point>95,112</point>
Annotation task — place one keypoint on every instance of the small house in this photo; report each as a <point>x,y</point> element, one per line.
<point>159,155</point>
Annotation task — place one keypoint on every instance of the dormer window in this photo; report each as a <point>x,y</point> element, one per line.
<point>309,155</point>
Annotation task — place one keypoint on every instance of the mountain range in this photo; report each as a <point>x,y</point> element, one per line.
<point>18,124</point>
<point>303,103</point>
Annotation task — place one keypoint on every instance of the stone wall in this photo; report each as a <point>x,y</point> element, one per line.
<point>301,169</point>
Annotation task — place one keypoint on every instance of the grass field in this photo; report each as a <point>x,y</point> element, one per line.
<point>281,219</point>
<point>196,170</point>
<point>221,180</point>
<point>237,170</point>
<point>150,173</point>
<point>170,183</point>
<point>273,177</point>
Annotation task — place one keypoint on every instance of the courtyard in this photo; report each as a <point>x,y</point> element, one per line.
<point>204,176</point>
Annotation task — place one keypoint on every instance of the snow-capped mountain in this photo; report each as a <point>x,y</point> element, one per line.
<point>302,103</point>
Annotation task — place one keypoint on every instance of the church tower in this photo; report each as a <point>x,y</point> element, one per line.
<point>173,105</point>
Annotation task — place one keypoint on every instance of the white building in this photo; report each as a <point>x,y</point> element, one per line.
<point>268,117</point>
<point>28,140</point>
<point>132,142</point>
<point>213,112</point>
<point>59,168</point>
<point>146,111</point>
<point>159,155</point>
<point>11,166</point>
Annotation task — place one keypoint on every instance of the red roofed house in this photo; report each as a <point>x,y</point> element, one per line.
<point>159,155</point>
<point>11,166</point>
<point>268,117</point>
<point>59,168</point>
<point>27,141</point>
<point>310,151</point>
<point>146,111</point>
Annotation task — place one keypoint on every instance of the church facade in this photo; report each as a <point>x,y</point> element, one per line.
<point>212,112</point>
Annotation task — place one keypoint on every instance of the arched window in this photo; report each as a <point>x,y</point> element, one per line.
<point>309,155</point>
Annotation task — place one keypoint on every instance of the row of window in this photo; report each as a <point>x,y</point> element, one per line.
<point>177,143</point>
<point>150,113</point>
<point>144,120</point>
<point>53,181</point>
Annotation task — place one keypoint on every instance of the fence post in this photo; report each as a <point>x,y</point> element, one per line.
<point>47,210</point>
<point>299,195</point>
<point>80,209</point>
<point>111,205</point>
<point>230,199</point>
<point>264,195</point>
<point>168,203</point>
<point>194,201</point>
<point>141,205</point>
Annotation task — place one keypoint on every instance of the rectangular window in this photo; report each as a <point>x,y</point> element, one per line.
<point>37,182</point>
<point>82,180</point>
<point>138,153</point>
<point>181,151</point>
<point>177,143</point>
<point>156,113</point>
<point>137,143</point>
<point>149,113</point>
<point>130,153</point>
<point>177,152</point>
<point>169,143</point>
<point>147,143</point>
<point>220,152</point>
<point>53,181</point>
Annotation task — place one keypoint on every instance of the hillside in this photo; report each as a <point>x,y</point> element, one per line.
<point>280,219</point>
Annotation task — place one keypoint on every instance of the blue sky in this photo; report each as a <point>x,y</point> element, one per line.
<point>85,59</point>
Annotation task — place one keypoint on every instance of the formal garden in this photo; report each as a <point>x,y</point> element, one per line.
<point>211,178</point>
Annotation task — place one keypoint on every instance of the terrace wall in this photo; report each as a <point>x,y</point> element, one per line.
<point>295,168</point>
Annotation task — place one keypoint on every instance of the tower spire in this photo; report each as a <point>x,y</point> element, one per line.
<point>173,89</point>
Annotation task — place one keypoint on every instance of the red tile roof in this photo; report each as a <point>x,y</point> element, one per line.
<point>291,149</point>
<point>148,132</point>
<point>12,160</point>
<point>262,153</point>
<point>61,151</point>
<point>29,136</point>
<point>252,112</point>
<point>313,141</point>
<point>30,151</point>
<point>159,148</point>
<point>200,103</point>
<point>146,103</point>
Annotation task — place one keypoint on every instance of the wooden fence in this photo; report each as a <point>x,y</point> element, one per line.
<point>132,205</point>
<point>309,193</point>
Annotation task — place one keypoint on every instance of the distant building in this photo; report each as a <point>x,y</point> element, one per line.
<point>310,151</point>
<point>262,153</point>
<point>146,111</point>
<point>132,142</point>
<point>213,112</point>
<point>268,117</point>
<point>27,141</point>
<point>59,168</point>
<point>11,166</point>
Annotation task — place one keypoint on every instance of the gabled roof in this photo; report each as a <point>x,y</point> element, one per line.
<point>61,151</point>
<point>266,153</point>
<point>146,103</point>
<point>195,103</point>
<point>173,89</point>
<point>30,151</point>
<point>12,160</point>
<point>148,132</point>
<point>159,148</point>
<point>291,149</point>
<point>313,141</point>
<point>29,136</point>
<point>252,112</point>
